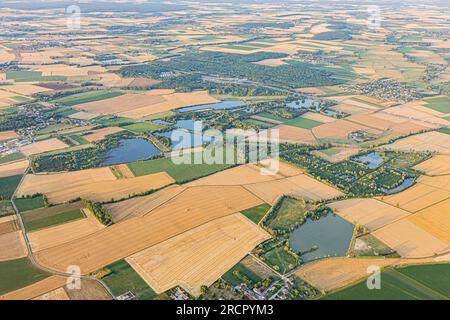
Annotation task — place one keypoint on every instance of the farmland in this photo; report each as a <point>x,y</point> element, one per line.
<point>18,273</point>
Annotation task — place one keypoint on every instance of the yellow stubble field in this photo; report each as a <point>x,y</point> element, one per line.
<point>199,256</point>
<point>13,168</point>
<point>43,146</point>
<point>8,135</point>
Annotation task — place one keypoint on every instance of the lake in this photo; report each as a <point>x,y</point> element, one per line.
<point>331,235</point>
<point>372,160</point>
<point>229,104</point>
<point>306,103</point>
<point>408,182</point>
<point>184,139</point>
<point>130,150</point>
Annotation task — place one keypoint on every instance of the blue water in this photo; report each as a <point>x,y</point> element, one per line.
<point>229,104</point>
<point>330,112</point>
<point>130,150</point>
<point>306,103</point>
<point>372,160</point>
<point>331,235</point>
<point>408,182</point>
<point>183,139</point>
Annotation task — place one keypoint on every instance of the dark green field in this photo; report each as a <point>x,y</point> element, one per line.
<point>26,204</point>
<point>53,220</point>
<point>441,104</point>
<point>17,274</point>
<point>424,282</point>
<point>124,279</point>
<point>143,127</point>
<point>8,186</point>
<point>29,76</point>
<point>181,173</point>
<point>87,97</point>
<point>12,157</point>
<point>303,123</point>
<point>257,213</point>
<point>241,274</point>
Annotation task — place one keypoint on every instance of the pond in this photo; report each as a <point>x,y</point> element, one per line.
<point>331,235</point>
<point>330,112</point>
<point>372,160</point>
<point>184,139</point>
<point>305,103</point>
<point>408,182</point>
<point>130,150</point>
<point>228,104</point>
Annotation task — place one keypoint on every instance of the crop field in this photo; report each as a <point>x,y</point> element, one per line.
<point>370,213</point>
<point>335,155</point>
<point>441,104</point>
<point>18,273</point>
<point>43,146</point>
<point>289,212</point>
<point>257,213</point>
<point>143,127</point>
<point>31,76</point>
<point>26,204</point>
<point>12,246</point>
<point>101,134</point>
<point>430,141</point>
<point>436,166</point>
<point>12,157</point>
<point>199,256</point>
<point>8,135</point>
<point>295,135</point>
<point>124,279</point>
<point>14,168</point>
<point>426,282</point>
<point>87,97</point>
<point>61,218</point>
<point>297,186</point>
<point>340,129</point>
<point>9,185</point>
<point>181,173</point>
<point>6,208</point>
<point>37,289</point>
<point>303,123</point>
<point>203,204</point>
<point>94,184</point>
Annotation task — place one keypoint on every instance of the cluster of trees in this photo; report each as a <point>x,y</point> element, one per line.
<point>99,212</point>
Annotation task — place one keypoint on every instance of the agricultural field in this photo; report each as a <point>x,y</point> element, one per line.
<point>16,274</point>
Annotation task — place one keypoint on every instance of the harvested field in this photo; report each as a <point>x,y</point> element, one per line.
<point>245,174</point>
<point>318,117</point>
<point>90,290</point>
<point>295,135</point>
<point>436,166</point>
<point>298,186</point>
<point>37,289</point>
<point>8,135</point>
<point>94,184</point>
<point>370,213</point>
<point>101,134</point>
<point>410,241</point>
<point>125,171</point>
<point>57,294</point>
<point>12,246</point>
<point>425,193</point>
<point>334,273</point>
<point>140,105</point>
<point>13,168</point>
<point>430,141</point>
<point>435,220</point>
<point>199,256</point>
<point>340,129</point>
<point>336,154</point>
<point>43,146</point>
<point>57,235</point>
<point>26,89</point>
<point>142,205</point>
<point>8,225</point>
<point>190,209</point>
<point>83,115</point>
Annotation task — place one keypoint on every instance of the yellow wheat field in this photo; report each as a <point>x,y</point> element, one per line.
<point>13,168</point>
<point>43,146</point>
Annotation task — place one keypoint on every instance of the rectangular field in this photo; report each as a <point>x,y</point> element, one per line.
<point>43,146</point>
<point>18,273</point>
<point>13,168</point>
<point>198,257</point>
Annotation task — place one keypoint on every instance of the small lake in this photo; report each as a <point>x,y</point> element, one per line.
<point>306,103</point>
<point>372,160</point>
<point>183,139</point>
<point>330,112</point>
<point>229,104</point>
<point>130,150</point>
<point>408,182</point>
<point>331,235</point>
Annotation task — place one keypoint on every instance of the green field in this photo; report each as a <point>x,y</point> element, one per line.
<point>259,124</point>
<point>31,76</point>
<point>239,47</point>
<point>111,121</point>
<point>6,208</point>
<point>78,139</point>
<point>9,185</point>
<point>124,279</point>
<point>444,130</point>
<point>257,213</point>
<point>12,157</point>
<point>271,117</point>
<point>181,173</point>
<point>303,123</point>
<point>143,127</point>
<point>280,260</point>
<point>287,214</point>
<point>241,274</point>
<point>16,274</point>
<point>441,104</point>
<point>26,204</point>
<point>54,220</point>
<point>423,282</point>
<point>86,97</point>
